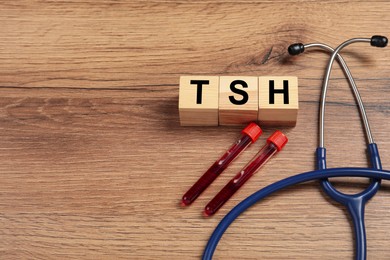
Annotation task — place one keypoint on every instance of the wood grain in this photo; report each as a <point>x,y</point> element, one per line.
<point>94,160</point>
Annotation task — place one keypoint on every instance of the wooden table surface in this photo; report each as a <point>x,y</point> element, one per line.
<point>93,159</point>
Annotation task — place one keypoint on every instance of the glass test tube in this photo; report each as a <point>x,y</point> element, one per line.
<point>249,135</point>
<point>274,144</point>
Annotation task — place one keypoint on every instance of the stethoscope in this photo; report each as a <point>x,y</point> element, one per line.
<point>354,203</point>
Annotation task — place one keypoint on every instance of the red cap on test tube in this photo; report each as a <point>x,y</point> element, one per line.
<point>278,139</point>
<point>274,144</point>
<point>253,131</point>
<point>249,135</point>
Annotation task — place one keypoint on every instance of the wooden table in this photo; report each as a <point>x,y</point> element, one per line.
<point>93,158</point>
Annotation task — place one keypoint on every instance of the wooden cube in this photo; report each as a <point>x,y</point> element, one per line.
<point>278,100</point>
<point>198,100</point>
<point>238,100</point>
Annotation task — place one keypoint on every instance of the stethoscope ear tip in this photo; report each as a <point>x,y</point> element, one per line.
<point>379,41</point>
<point>296,48</point>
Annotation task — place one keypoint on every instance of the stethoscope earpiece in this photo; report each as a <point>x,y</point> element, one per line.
<point>379,41</point>
<point>296,48</point>
<point>376,41</point>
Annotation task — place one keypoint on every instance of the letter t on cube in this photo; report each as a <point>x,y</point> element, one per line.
<point>198,100</point>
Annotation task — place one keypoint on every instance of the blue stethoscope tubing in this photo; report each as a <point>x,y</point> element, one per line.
<point>280,185</point>
<point>354,203</point>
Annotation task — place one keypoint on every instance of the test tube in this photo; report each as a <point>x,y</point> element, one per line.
<point>249,135</point>
<point>274,144</point>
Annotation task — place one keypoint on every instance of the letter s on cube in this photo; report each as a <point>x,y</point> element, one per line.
<point>238,100</point>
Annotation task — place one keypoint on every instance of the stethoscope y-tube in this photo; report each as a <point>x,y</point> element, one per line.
<point>354,203</point>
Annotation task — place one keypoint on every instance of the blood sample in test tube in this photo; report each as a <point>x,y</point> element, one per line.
<point>249,135</point>
<point>274,144</point>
